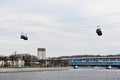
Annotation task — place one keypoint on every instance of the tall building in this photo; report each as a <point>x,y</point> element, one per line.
<point>41,53</point>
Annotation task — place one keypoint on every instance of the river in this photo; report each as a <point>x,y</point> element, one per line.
<point>72,74</point>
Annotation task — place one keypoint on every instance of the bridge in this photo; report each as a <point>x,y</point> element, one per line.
<point>94,63</point>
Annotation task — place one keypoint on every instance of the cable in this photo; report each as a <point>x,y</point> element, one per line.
<point>101,26</point>
<point>110,24</point>
<point>106,26</point>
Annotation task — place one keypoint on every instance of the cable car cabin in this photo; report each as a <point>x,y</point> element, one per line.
<point>99,32</point>
<point>24,37</point>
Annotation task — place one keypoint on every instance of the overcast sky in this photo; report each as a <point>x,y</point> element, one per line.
<point>63,27</point>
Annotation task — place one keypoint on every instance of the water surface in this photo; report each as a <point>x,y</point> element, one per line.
<point>72,74</point>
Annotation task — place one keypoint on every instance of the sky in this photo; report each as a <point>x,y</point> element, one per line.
<point>63,27</point>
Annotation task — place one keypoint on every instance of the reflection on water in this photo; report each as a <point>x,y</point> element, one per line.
<point>73,74</point>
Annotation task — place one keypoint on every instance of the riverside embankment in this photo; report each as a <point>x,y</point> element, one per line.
<point>9,70</point>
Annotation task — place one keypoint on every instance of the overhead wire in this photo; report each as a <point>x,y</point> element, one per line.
<point>113,25</point>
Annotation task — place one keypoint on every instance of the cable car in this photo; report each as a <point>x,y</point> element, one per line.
<point>24,37</point>
<point>98,31</point>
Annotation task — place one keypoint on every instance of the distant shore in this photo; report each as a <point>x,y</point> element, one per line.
<point>11,70</point>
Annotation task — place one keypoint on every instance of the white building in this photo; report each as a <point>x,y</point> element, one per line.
<point>20,63</point>
<point>2,63</point>
<point>41,53</point>
<point>9,62</point>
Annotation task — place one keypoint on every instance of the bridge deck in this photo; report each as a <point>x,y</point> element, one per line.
<point>94,63</point>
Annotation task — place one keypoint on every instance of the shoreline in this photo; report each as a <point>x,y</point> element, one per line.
<point>14,70</point>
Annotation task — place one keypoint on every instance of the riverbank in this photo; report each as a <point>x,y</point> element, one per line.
<point>10,70</point>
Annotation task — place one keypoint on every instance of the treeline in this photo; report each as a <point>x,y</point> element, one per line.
<point>30,61</point>
<point>79,56</point>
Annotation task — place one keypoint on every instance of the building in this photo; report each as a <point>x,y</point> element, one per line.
<point>2,63</point>
<point>41,52</point>
<point>20,63</point>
